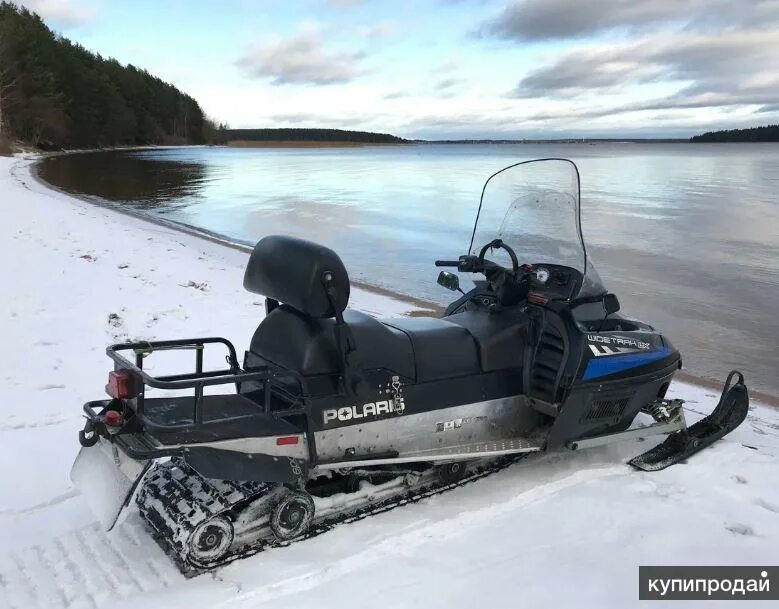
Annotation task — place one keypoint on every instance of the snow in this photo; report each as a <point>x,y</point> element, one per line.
<point>563,530</point>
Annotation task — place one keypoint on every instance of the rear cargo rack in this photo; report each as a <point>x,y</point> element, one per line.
<point>199,379</point>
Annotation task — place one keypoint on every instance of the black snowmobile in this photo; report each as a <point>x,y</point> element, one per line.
<point>337,415</point>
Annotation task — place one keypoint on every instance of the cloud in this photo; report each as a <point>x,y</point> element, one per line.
<point>396,95</point>
<point>327,120</point>
<point>535,20</point>
<point>300,59</point>
<point>378,31</point>
<point>447,83</point>
<point>296,117</point>
<point>344,3</point>
<point>447,66</point>
<point>62,12</point>
<point>725,69</point>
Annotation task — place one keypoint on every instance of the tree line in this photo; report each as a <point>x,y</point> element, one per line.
<point>225,134</point>
<point>56,94</point>
<point>767,133</point>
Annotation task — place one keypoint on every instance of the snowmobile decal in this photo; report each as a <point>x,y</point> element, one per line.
<point>619,341</point>
<point>604,366</point>
<point>397,391</point>
<point>369,410</point>
<point>457,423</point>
<point>600,351</point>
<point>395,405</point>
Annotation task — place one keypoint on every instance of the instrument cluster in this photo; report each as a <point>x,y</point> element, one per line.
<point>554,280</point>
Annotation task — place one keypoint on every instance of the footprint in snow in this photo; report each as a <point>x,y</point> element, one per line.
<point>766,506</point>
<point>740,479</point>
<point>50,387</point>
<point>116,326</point>
<point>741,529</point>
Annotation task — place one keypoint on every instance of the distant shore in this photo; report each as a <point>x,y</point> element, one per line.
<point>302,144</point>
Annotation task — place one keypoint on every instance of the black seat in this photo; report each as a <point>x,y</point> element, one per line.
<point>420,348</point>
<point>306,345</point>
<point>500,336</point>
<point>441,349</point>
<point>303,333</point>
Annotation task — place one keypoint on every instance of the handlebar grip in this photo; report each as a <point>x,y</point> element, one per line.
<point>447,263</point>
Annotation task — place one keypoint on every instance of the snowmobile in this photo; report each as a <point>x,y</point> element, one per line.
<point>336,415</point>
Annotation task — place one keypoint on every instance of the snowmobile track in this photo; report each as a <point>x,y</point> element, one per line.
<point>413,496</point>
<point>83,569</point>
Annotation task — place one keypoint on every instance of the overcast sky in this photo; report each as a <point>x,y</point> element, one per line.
<point>452,68</point>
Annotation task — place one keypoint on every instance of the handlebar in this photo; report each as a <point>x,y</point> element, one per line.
<point>447,263</point>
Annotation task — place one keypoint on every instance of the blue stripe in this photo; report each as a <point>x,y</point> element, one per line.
<point>602,366</point>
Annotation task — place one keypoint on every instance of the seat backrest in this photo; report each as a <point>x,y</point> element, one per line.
<point>292,271</point>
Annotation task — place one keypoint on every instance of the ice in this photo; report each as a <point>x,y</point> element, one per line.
<point>552,531</point>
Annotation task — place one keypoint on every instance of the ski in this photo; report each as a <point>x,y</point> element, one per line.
<point>729,413</point>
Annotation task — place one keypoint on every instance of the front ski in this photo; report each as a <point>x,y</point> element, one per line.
<point>729,413</point>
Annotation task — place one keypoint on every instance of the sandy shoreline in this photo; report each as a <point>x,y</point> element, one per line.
<point>421,307</point>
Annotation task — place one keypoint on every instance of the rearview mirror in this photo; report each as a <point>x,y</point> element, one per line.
<point>610,303</point>
<point>449,280</point>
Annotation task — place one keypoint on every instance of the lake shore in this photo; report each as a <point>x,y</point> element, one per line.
<point>305,144</point>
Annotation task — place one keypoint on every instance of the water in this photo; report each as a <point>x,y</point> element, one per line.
<point>686,235</point>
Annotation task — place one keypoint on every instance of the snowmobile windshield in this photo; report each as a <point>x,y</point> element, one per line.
<point>534,208</point>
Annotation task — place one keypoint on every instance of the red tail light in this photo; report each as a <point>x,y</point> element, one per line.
<point>286,440</point>
<point>113,418</point>
<point>120,384</point>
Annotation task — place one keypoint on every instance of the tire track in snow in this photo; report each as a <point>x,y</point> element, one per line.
<point>84,568</point>
<point>54,584</point>
<point>154,571</point>
<point>79,582</point>
<point>39,506</point>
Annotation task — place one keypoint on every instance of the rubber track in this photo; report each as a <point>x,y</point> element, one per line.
<point>172,543</point>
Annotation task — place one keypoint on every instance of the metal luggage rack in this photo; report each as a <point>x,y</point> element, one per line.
<point>199,379</point>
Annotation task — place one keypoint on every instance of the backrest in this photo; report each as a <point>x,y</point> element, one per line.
<point>291,271</point>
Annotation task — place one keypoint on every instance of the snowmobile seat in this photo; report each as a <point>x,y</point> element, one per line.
<point>307,346</point>
<point>300,334</point>
<point>441,349</point>
<point>500,337</point>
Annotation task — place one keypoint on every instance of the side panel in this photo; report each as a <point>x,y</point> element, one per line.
<point>593,409</point>
<point>444,428</point>
<point>389,398</point>
<point>619,373</point>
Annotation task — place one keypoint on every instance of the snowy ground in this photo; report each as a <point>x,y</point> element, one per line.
<point>559,531</point>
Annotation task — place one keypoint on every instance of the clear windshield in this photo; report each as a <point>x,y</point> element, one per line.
<point>534,208</point>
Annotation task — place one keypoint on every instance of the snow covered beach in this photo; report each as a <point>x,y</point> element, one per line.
<point>563,530</point>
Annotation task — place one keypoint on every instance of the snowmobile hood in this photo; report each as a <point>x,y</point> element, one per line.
<point>534,207</point>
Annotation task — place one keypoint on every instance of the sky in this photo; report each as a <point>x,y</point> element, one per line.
<point>437,69</point>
